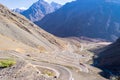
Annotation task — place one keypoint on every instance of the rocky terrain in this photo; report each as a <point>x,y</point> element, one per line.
<point>40,55</point>
<point>39,9</point>
<point>89,18</point>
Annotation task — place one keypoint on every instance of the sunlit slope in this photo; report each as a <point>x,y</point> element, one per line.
<point>16,32</point>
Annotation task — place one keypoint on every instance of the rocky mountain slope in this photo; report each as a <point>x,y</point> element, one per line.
<point>89,18</point>
<point>18,30</point>
<point>39,9</point>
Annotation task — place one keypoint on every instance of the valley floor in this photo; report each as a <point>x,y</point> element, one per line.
<point>64,65</point>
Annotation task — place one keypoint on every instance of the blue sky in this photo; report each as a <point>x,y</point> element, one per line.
<point>26,3</point>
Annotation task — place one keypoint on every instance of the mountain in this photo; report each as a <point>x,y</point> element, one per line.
<point>89,18</point>
<point>39,9</point>
<point>18,10</point>
<point>109,58</point>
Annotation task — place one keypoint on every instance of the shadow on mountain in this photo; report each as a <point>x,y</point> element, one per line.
<point>108,60</point>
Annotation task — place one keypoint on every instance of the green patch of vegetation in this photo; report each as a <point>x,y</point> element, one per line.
<point>4,63</point>
<point>69,67</point>
<point>49,73</point>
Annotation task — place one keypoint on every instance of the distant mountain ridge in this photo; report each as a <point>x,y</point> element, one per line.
<point>39,9</point>
<point>18,10</point>
<point>89,18</point>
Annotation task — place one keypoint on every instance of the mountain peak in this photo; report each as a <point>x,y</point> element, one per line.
<point>39,9</point>
<point>41,0</point>
<point>54,2</point>
<point>55,5</point>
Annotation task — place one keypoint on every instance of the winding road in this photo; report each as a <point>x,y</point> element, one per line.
<point>62,72</point>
